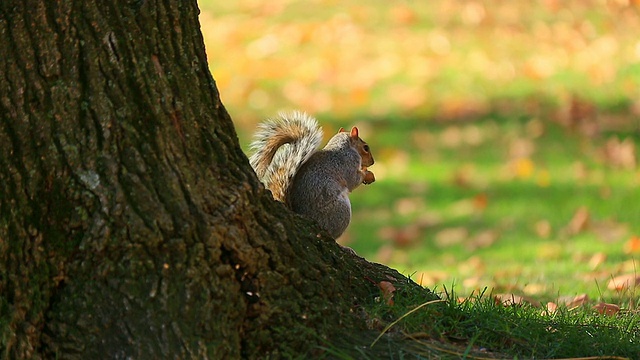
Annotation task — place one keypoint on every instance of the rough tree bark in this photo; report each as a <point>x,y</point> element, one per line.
<point>131,223</point>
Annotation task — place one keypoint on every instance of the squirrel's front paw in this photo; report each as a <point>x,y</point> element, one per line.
<point>368,177</point>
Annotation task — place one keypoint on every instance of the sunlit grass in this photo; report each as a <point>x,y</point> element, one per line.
<point>488,123</point>
<point>416,326</point>
<point>499,135</point>
<point>483,214</point>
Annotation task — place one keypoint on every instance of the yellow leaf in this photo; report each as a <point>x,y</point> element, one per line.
<point>523,168</point>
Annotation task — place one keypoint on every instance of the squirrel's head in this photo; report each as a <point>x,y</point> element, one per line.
<point>360,145</point>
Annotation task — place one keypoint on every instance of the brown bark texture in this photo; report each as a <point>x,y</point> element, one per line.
<point>131,225</point>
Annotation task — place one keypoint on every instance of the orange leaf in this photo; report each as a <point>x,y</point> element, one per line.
<point>480,201</point>
<point>632,245</point>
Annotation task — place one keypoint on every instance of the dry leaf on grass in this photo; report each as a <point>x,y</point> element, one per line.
<point>579,222</point>
<point>451,236</point>
<point>522,168</point>
<point>607,309</point>
<point>610,231</point>
<point>550,308</point>
<point>572,302</point>
<point>620,154</point>
<point>521,149</point>
<point>483,239</point>
<point>387,289</point>
<point>384,254</point>
<point>409,205</point>
<point>596,260</point>
<point>401,236</point>
<point>623,282</point>
<point>543,228</point>
<point>431,278</point>
<point>513,299</point>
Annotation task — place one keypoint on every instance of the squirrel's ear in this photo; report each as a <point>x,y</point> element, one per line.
<point>341,130</point>
<point>354,132</point>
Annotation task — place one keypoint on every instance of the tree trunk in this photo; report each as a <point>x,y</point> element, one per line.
<point>131,223</point>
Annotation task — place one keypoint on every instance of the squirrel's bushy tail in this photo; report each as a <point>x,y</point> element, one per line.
<point>281,145</point>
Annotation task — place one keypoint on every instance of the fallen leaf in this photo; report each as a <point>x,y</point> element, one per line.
<point>463,177</point>
<point>409,205</point>
<point>607,309</point>
<point>471,282</point>
<point>620,154</point>
<point>472,135</point>
<point>535,128</point>
<point>473,13</point>
<point>523,168</point>
<point>580,116</point>
<point>632,245</point>
<point>401,237</point>
<point>403,15</point>
<point>482,240</point>
<point>480,201</point>
<point>408,235</point>
<point>535,288</point>
<point>609,230</point>
<point>550,308</point>
<point>543,228</point>
<point>428,219</point>
<point>387,291</point>
<point>430,278</point>
<point>513,299</point>
<point>520,150</point>
<point>580,171</point>
<point>572,302</point>
<point>384,254</point>
<point>623,282</point>
<point>596,260</point>
<point>451,236</point>
<point>451,137</point>
<point>579,222</point>
<point>474,266</point>
<point>423,140</point>
<point>629,266</point>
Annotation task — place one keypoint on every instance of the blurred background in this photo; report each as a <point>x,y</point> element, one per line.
<point>505,133</point>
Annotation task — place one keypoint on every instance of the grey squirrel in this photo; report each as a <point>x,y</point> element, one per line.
<point>311,181</point>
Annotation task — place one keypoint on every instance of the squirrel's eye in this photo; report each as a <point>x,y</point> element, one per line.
<point>366,148</point>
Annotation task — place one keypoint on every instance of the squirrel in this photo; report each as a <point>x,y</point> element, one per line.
<point>312,182</point>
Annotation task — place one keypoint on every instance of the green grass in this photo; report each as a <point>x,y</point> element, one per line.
<point>417,327</point>
<point>488,123</point>
<point>473,215</point>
